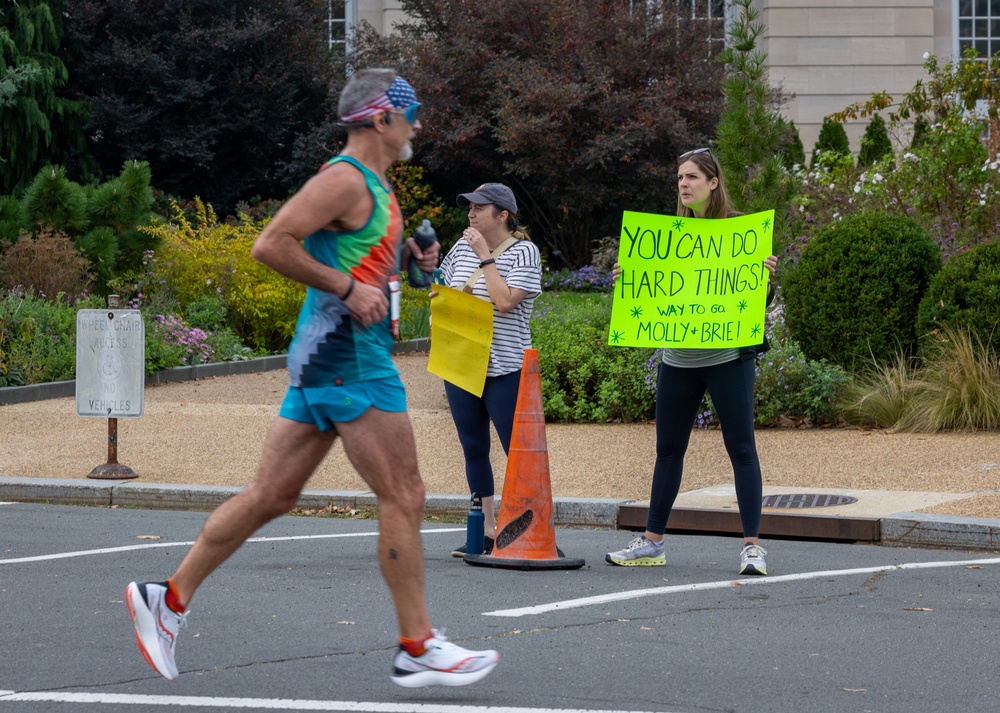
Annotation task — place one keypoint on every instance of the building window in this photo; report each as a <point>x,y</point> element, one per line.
<point>341,16</point>
<point>716,14</point>
<point>713,13</point>
<point>979,26</point>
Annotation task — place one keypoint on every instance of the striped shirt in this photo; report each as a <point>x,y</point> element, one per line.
<point>520,266</point>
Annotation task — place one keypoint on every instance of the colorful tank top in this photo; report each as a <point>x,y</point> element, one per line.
<point>329,347</point>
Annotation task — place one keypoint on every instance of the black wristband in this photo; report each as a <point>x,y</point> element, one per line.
<point>487,261</point>
<point>350,289</point>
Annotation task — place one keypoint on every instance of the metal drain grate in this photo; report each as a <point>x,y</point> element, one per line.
<point>806,500</point>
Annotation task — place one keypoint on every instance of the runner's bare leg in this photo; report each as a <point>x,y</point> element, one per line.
<point>381,447</point>
<point>292,451</point>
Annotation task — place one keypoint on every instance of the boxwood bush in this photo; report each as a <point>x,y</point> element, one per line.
<point>853,295</point>
<point>965,294</point>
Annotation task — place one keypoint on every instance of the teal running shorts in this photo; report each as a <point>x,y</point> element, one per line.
<point>328,405</point>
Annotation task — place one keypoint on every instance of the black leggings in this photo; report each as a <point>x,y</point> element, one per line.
<point>472,415</point>
<point>679,392</point>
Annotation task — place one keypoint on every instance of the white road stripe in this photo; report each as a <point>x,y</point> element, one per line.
<point>283,704</point>
<point>656,591</point>
<point>152,545</point>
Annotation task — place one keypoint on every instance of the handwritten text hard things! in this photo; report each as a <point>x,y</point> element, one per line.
<point>691,283</point>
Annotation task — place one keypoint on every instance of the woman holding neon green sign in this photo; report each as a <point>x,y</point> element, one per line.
<point>683,377</point>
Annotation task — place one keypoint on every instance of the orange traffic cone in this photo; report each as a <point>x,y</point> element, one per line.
<point>525,537</point>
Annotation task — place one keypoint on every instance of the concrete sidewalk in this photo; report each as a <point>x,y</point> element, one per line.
<point>198,443</point>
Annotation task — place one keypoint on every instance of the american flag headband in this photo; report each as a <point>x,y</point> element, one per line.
<point>400,95</point>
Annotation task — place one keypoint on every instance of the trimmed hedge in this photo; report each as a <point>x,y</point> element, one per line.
<point>854,294</point>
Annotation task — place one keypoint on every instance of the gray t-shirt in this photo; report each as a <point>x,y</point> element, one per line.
<point>692,358</point>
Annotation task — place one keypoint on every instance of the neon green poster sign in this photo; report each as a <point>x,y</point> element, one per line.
<point>691,283</point>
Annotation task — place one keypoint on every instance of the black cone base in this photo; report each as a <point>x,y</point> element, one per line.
<point>510,563</point>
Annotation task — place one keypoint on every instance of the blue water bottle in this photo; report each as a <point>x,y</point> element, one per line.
<point>474,527</point>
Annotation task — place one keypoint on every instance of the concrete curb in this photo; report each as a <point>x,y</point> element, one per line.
<point>921,529</point>
<point>568,512</point>
<point>66,389</point>
<point>905,529</point>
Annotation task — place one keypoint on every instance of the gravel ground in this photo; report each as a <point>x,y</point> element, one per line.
<point>210,432</point>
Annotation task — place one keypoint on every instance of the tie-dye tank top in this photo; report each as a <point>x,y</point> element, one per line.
<point>329,347</point>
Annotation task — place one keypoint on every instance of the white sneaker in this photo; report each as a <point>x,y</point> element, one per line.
<point>443,664</point>
<point>640,552</point>
<point>752,560</point>
<point>156,625</point>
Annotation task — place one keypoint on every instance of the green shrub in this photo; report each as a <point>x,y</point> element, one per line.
<point>965,294</point>
<point>264,306</point>
<point>832,138</point>
<point>854,293</point>
<point>792,387</point>
<point>207,313</point>
<point>584,379</point>
<point>198,257</point>
<point>418,202</point>
<point>38,337</point>
<point>201,257</point>
<point>793,153</point>
<point>875,144</point>
<point>414,312</point>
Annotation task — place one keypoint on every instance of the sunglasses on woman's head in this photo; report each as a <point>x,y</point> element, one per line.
<point>689,154</point>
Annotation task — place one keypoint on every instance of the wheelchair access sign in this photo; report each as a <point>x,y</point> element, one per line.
<point>110,363</point>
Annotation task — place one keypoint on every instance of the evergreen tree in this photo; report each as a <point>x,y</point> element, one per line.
<point>920,131</point>
<point>751,131</point>
<point>793,153</point>
<point>875,143</point>
<point>32,113</point>
<point>832,137</point>
<point>104,221</point>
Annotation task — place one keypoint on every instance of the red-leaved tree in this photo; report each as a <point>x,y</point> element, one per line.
<point>582,106</point>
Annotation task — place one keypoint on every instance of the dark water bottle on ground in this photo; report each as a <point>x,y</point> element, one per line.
<point>474,527</point>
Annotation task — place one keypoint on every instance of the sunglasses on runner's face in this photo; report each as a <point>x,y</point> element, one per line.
<point>409,113</point>
<point>689,154</point>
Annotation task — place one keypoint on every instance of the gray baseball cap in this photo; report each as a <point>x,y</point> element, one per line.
<point>496,193</point>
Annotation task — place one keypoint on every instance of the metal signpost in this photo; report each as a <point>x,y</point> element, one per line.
<point>110,374</point>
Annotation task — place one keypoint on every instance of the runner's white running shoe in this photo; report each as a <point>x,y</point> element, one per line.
<point>752,560</point>
<point>640,552</point>
<point>156,625</point>
<point>443,664</point>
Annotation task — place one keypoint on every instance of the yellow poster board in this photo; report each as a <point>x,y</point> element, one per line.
<point>691,283</point>
<point>461,335</point>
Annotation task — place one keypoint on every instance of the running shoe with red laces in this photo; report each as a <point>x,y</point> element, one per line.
<point>156,625</point>
<point>442,664</point>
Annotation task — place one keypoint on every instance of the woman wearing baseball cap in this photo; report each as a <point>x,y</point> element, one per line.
<point>496,261</point>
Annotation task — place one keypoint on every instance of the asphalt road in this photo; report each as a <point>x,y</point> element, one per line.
<point>837,627</point>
